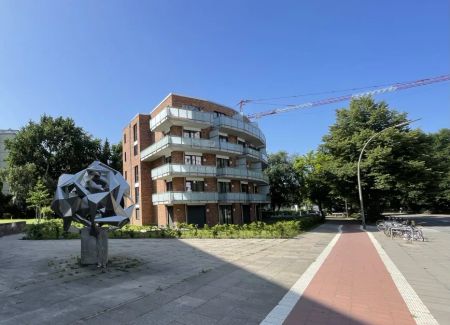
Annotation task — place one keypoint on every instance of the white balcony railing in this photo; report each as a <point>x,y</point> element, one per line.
<point>180,114</point>
<point>237,197</point>
<point>178,169</point>
<point>238,124</point>
<point>243,173</point>
<point>184,197</point>
<point>240,197</point>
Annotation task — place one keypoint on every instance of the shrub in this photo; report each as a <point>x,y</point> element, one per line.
<point>53,229</point>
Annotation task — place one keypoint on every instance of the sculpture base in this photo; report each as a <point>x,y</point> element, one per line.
<point>94,250</point>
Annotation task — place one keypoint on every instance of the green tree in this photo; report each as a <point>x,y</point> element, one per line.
<point>440,152</point>
<point>105,156</point>
<point>314,169</point>
<point>38,198</point>
<point>284,183</point>
<point>395,169</point>
<point>47,149</point>
<point>116,157</point>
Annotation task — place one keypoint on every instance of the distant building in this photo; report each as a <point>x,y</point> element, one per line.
<point>5,134</point>
<point>195,161</point>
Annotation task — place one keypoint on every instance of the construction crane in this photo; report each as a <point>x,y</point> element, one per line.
<point>392,88</point>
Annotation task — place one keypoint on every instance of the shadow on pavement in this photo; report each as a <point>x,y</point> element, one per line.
<point>173,282</point>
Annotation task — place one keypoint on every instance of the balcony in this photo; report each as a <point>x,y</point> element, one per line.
<point>256,154</point>
<point>235,197</point>
<point>184,197</point>
<point>169,170</point>
<point>177,116</point>
<point>170,143</point>
<point>191,118</point>
<point>258,198</point>
<point>240,197</point>
<point>243,173</point>
<point>246,130</point>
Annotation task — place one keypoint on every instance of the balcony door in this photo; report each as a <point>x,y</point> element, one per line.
<point>246,213</point>
<point>225,214</point>
<point>196,215</point>
<point>170,216</point>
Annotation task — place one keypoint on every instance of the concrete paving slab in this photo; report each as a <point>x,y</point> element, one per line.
<point>152,281</point>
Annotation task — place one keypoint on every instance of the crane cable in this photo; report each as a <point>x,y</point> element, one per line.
<point>392,88</point>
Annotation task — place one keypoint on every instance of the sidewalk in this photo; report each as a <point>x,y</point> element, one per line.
<point>352,286</point>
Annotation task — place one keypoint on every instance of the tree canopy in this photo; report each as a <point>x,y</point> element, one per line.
<point>400,167</point>
<point>49,148</point>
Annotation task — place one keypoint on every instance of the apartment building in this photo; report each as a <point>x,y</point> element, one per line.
<point>194,161</point>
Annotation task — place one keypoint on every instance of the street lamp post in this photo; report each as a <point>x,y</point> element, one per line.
<point>361,202</point>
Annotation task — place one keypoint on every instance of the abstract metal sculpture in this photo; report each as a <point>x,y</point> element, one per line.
<point>94,197</point>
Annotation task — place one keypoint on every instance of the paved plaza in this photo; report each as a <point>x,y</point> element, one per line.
<point>207,281</point>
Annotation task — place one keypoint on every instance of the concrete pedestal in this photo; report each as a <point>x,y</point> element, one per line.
<point>94,250</point>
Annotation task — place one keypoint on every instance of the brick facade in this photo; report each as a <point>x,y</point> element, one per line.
<point>135,143</point>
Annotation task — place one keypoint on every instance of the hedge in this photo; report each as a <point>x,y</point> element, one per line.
<point>53,229</point>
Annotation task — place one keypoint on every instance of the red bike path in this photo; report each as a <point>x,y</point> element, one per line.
<point>351,287</point>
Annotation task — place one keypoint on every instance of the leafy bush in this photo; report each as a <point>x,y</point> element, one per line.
<point>48,229</point>
<point>53,229</point>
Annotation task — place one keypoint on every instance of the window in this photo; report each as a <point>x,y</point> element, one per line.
<point>124,138</point>
<point>169,186</point>
<point>168,159</point>
<point>125,156</point>
<point>195,186</point>
<point>136,174</point>
<point>138,214</point>
<point>244,188</point>
<point>136,195</point>
<point>192,160</point>
<point>242,143</point>
<point>126,176</point>
<point>191,134</point>
<point>135,149</point>
<point>255,188</point>
<point>223,162</point>
<point>135,132</point>
<point>224,187</point>
<point>225,214</point>
<point>223,138</point>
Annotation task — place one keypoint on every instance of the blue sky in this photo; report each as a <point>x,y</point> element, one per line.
<point>101,62</point>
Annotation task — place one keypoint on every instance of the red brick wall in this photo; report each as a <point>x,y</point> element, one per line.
<point>212,216</point>
<point>253,212</point>
<point>235,186</point>
<point>177,157</point>
<point>178,184</point>
<point>176,131</point>
<point>237,213</point>
<point>179,212</point>
<point>209,159</point>
<point>210,184</point>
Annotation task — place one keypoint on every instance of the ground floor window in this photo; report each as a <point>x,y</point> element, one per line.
<point>225,216</point>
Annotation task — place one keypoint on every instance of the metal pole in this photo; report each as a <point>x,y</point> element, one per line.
<point>361,202</point>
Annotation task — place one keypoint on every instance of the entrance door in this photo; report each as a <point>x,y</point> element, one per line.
<point>196,214</point>
<point>225,214</point>
<point>246,213</point>
<point>170,216</point>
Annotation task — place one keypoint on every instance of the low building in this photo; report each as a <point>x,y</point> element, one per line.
<point>5,134</point>
<point>194,161</point>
